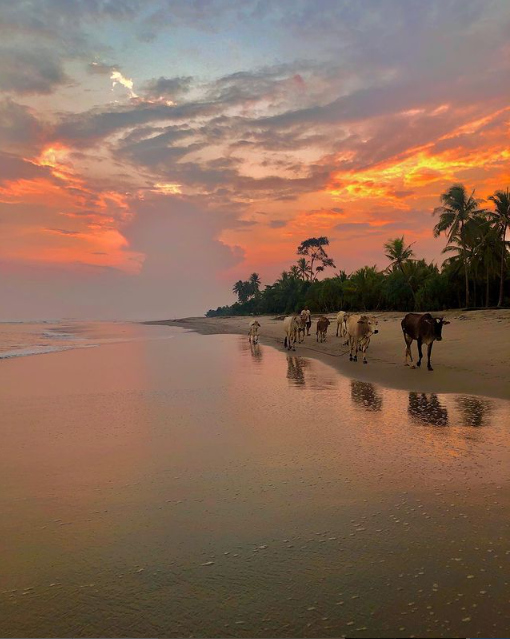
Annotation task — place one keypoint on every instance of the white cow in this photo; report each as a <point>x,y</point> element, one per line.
<point>360,329</point>
<point>341,323</point>
<point>290,327</point>
<point>301,331</point>
<point>253,333</point>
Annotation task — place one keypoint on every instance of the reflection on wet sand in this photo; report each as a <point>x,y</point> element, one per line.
<point>427,409</point>
<point>364,394</point>
<point>254,350</point>
<point>296,369</point>
<point>474,411</point>
<point>245,496</point>
<point>303,372</point>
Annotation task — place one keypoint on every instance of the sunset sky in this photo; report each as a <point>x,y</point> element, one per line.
<point>152,152</point>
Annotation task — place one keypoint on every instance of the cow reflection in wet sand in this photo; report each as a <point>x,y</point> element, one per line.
<point>427,409</point>
<point>253,348</point>
<point>296,370</point>
<point>474,411</point>
<point>365,395</point>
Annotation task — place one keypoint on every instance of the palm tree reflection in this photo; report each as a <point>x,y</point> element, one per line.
<point>427,409</point>
<point>365,395</point>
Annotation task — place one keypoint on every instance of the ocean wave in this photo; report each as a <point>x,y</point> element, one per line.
<point>63,336</point>
<point>41,350</point>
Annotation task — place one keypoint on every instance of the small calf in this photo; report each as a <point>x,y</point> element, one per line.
<point>322,328</point>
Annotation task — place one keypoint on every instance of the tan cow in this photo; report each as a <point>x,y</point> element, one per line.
<point>341,324</point>
<point>322,328</point>
<point>301,320</point>
<point>360,329</point>
<point>253,333</point>
<point>290,327</point>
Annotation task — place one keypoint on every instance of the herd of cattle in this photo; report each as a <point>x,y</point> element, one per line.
<point>357,330</point>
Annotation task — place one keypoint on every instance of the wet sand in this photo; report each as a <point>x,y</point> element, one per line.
<point>196,486</point>
<point>473,358</point>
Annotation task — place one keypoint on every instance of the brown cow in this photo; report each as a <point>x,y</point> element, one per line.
<point>425,329</point>
<point>322,328</point>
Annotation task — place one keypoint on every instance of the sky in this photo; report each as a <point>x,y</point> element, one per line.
<point>153,152</point>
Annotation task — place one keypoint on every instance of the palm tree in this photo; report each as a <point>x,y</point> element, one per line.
<point>254,282</point>
<point>456,210</point>
<point>304,268</point>
<point>241,289</point>
<point>486,250</point>
<point>238,288</point>
<point>295,272</point>
<point>398,254</point>
<point>481,245</point>
<point>501,199</point>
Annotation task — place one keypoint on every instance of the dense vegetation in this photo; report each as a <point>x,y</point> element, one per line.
<point>475,273</point>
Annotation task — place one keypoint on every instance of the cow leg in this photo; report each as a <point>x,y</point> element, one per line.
<point>429,353</point>
<point>409,354</point>
<point>337,326</point>
<point>356,346</point>
<point>420,353</point>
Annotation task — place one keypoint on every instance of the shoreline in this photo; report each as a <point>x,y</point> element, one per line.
<point>472,359</point>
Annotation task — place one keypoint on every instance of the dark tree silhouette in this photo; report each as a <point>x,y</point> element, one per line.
<point>318,259</point>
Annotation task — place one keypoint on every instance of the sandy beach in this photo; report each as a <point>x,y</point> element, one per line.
<point>473,358</point>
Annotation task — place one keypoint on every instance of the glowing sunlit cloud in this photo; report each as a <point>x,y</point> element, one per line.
<point>117,78</point>
<point>168,188</point>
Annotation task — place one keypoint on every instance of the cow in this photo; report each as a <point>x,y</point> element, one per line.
<point>425,329</point>
<point>253,333</point>
<point>290,327</point>
<point>360,329</point>
<point>341,323</point>
<point>301,320</point>
<point>322,328</point>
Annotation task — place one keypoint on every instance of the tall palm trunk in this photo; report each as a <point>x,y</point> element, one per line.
<point>488,288</point>
<point>466,270</point>
<point>502,274</point>
<point>408,284</point>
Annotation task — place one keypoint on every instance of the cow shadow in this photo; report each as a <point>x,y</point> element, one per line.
<point>365,395</point>
<point>427,409</point>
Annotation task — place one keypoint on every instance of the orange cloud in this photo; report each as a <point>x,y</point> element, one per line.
<point>98,215</point>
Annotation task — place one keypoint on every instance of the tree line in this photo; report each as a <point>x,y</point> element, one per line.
<point>475,272</point>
